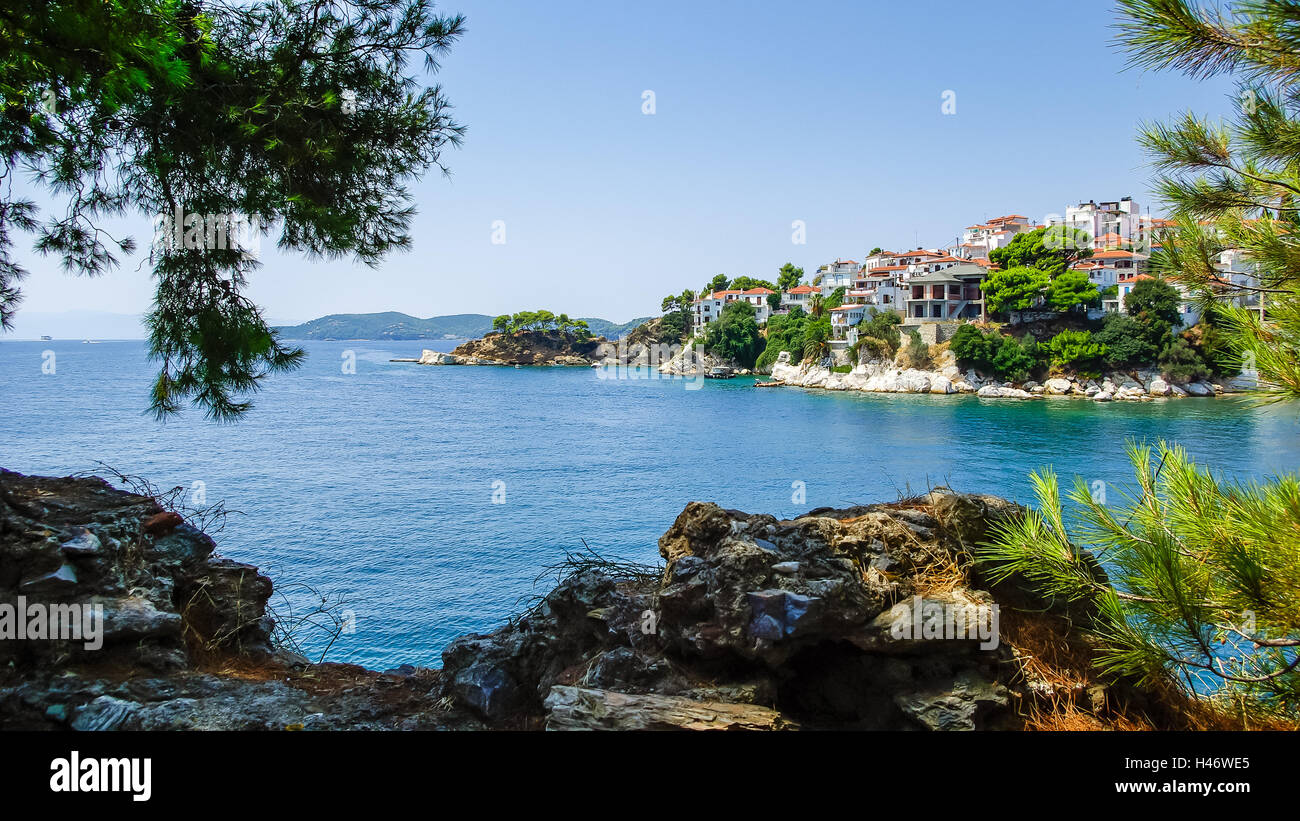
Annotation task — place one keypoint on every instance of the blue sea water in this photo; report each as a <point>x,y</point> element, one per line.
<point>379,485</point>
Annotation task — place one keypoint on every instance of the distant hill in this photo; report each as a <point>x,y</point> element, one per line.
<point>395,325</point>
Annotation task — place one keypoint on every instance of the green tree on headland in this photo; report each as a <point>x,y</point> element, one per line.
<point>789,277</point>
<point>304,115</point>
<point>1014,289</point>
<point>542,320</point>
<point>734,334</point>
<point>1047,249</point>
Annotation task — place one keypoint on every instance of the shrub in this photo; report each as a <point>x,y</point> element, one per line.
<point>883,325</point>
<point>734,335</point>
<point>1079,352</point>
<point>869,348</point>
<point>1182,362</point>
<point>917,353</point>
<point>1131,341</point>
<point>1016,360</point>
<point>1155,299</point>
<point>784,333</point>
<point>975,348</point>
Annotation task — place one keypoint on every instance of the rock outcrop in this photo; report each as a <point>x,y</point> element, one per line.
<point>869,617</point>
<point>525,348</point>
<point>185,638</point>
<point>886,377</point>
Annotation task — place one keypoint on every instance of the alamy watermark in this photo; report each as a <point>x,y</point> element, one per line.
<point>932,620</point>
<point>38,621</point>
<point>190,231</point>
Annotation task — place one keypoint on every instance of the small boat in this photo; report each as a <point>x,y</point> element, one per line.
<point>771,384</point>
<point>719,372</point>
<point>46,338</point>
<point>518,366</point>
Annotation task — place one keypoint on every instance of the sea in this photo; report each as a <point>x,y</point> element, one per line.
<point>423,503</point>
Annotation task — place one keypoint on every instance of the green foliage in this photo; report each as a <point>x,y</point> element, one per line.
<point>882,325</point>
<point>734,334</point>
<point>1131,342</point>
<point>784,333</point>
<point>917,353</point>
<point>1231,183</point>
<point>1049,250</point>
<point>974,348</point>
<point>303,115</point>
<point>677,309</point>
<point>1204,576</point>
<point>542,321</point>
<point>1077,351</point>
<point>1017,359</point>
<point>789,277</point>
<point>1182,362</point>
<point>876,250</point>
<point>836,299</point>
<point>1071,290</point>
<point>745,283</point>
<point>774,302</point>
<point>816,339</point>
<point>1154,299</point>
<point>718,283</point>
<point>1014,289</point>
<point>991,353</point>
<point>675,325</point>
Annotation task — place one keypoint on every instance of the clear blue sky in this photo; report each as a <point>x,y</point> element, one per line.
<point>827,112</point>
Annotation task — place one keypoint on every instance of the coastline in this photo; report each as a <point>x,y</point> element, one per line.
<point>881,377</point>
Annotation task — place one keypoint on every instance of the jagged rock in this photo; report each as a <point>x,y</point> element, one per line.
<point>58,582</point>
<point>1158,387</point>
<point>80,542</point>
<point>105,713</point>
<point>1198,389</point>
<point>576,708</point>
<point>963,702</point>
<point>1058,386</point>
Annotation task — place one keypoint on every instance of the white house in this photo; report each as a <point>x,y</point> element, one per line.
<point>708,307</point>
<point>1108,224</point>
<point>838,274</point>
<point>798,296</point>
<point>977,240</point>
<point>845,317</point>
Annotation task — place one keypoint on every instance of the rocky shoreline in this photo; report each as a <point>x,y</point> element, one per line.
<point>752,622</point>
<point>886,377</point>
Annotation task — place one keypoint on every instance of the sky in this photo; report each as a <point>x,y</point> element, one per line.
<point>829,113</point>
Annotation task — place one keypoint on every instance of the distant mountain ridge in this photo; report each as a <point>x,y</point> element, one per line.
<point>395,325</point>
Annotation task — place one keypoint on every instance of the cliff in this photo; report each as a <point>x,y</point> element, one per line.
<point>826,620</point>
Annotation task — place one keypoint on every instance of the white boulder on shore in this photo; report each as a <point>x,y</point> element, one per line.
<point>885,377</point>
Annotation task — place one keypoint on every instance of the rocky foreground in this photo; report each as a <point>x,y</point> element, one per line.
<point>752,623</point>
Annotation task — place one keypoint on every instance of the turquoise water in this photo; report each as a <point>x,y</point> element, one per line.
<point>379,485</point>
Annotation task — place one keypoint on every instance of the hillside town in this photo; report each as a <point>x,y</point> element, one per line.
<point>935,290</point>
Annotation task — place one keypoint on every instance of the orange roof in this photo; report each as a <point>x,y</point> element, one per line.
<point>848,307</point>
<point>803,289</point>
<point>758,291</point>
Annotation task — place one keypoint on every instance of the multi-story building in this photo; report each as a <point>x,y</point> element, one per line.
<point>708,307</point>
<point>945,295</point>
<point>798,296</point>
<point>978,240</point>
<point>1108,224</point>
<point>838,274</point>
